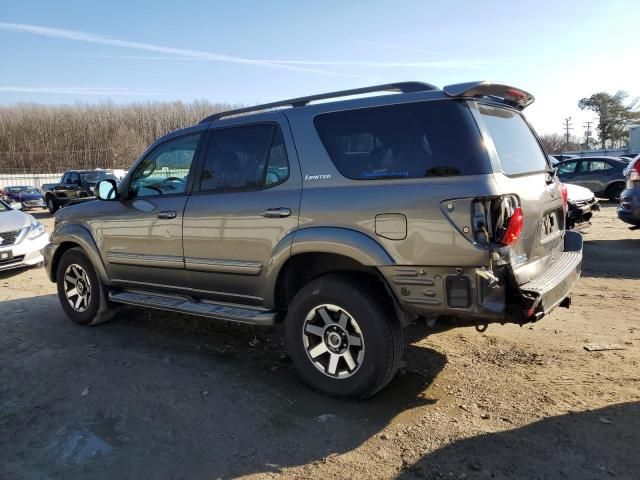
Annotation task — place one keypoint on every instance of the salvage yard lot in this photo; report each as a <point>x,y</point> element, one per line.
<point>164,396</point>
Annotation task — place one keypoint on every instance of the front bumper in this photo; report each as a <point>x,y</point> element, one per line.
<point>579,213</point>
<point>629,209</point>
<point>27,253</point>
<point>37,203</point>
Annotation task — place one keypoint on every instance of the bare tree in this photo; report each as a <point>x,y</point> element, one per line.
<point>37,138</point>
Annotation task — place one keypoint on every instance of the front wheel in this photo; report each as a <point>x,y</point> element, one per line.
<point>343,337</point>
<point>614,191</point>
<point>81,294</point>
<point>52,205</point>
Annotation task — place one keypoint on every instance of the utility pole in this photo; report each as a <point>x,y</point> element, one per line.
<point>567,128</point>
<point>587,133</point>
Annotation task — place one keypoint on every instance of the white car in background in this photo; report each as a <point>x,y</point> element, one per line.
<point>22,239</point>
<point>581,204</point>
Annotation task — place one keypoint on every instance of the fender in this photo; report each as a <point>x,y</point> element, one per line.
<point>81,236</point>
<point>340,241</point>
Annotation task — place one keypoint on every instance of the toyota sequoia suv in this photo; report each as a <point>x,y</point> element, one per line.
<point>347,220</point>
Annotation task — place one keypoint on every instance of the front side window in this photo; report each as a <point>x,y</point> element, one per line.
<point>248,157</point>
<point>166,169</point>
<point>412,140</point>
<point>569,167</point>
<point>95,177</point>
<point>517,148</point>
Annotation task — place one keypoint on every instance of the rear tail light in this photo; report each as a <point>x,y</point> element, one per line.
<point>634,172</point>
<point>514,228</point>
<point>565,196</point>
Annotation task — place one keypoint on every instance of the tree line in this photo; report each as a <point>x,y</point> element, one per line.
<point>52,138</point>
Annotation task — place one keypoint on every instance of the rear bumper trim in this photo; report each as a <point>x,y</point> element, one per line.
<point>548,290</point>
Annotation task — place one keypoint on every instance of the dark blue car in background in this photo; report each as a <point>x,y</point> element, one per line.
<point>30,197</point>
<point>629,209</point>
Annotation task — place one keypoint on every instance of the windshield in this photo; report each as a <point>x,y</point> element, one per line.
<point>3,207</point>
<point>24,189</point>
<point>95,177</point>
<point>517,147</point>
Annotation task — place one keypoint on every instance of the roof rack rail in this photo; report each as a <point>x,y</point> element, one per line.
<point>403,87</point>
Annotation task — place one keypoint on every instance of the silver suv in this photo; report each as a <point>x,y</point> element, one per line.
<point>347,220</point>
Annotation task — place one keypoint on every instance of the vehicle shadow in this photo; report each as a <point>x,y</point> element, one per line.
<point>159,395</point>
<point>39,214</point>
<point>610,258</point>
<point>7,274</point>
<point>594,444</point>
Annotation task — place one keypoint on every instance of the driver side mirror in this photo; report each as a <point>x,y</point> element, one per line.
<point>106,190</point>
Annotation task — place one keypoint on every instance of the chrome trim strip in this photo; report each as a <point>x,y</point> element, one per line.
<point>143,260</point>
<point>239,267</point>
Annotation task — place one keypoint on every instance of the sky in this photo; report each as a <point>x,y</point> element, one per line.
<point>248,52</point>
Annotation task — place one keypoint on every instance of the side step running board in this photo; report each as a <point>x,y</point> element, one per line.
<point>174,303</point>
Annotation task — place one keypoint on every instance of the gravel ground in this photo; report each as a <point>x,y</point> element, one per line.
<point>163,396</point>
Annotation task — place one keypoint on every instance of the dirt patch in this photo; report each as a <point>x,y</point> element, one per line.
<point>157,395</point>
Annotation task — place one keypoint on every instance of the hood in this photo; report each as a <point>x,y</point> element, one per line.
<point>14,220</point>
<point>21,196</point>
<point>577,193</point>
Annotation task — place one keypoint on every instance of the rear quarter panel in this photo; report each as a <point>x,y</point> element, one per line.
<point>330,199</point>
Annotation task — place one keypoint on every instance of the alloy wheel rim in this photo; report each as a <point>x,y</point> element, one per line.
<point>77,287</point>
<point>333,341</point>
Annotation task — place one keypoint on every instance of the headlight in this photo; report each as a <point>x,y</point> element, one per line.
<point>36,230</point>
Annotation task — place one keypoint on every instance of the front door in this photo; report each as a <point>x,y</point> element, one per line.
<point>244,203</point>
<point>141,235</point>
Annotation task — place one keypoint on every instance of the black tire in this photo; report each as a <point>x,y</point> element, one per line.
<point>52,204</point>
<point>614,190</point>
<point>381,333</point>
<point>97,309</point>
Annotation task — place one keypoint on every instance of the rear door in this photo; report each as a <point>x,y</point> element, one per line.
<point>522,170</point>
<point>596,174</point>
<point>244,204</point>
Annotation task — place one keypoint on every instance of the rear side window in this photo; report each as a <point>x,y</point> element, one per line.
<point>598,165</point>
<point>425,139</point>
<point>517,147</point>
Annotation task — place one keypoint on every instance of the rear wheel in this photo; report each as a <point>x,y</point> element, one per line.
<point>52,204</point>
<point>81,294</point>
<point>343,337</point>
<point>613,191</point>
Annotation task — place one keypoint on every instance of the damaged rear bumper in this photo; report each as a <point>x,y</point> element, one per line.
<point>480,296</point>
<point>545,292</point>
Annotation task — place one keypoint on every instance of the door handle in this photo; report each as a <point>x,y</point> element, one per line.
<point>280,212</point>
<point>168,214</point>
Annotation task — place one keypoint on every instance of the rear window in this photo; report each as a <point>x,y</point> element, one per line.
<point>517,147</point>
<point>413,140</point>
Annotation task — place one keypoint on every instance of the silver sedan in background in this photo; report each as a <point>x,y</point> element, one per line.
<point>22,239</point>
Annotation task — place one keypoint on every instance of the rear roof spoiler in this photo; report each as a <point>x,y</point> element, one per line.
<point>511,96</point>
